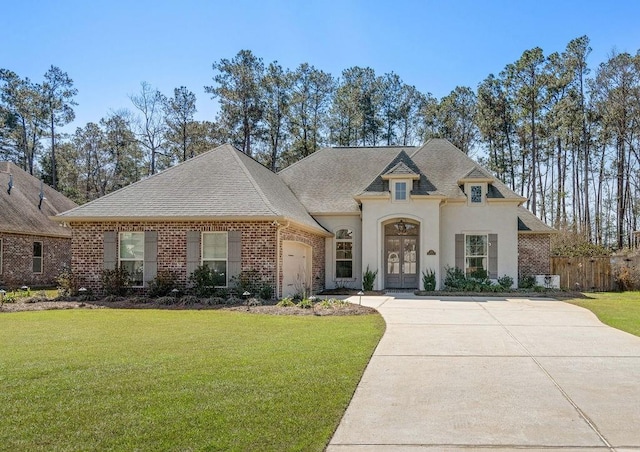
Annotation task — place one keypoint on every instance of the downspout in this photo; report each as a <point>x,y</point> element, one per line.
<point>279,228</point>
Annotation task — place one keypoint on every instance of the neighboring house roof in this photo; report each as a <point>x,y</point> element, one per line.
<point>328,180</point>
<point>19,212</point>
<point>222,183</point>
<point>529,223</point>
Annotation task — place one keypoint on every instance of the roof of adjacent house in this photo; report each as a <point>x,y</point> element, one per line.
<point>19,212</point>
<point>328,180</point>
<point>221,183</point>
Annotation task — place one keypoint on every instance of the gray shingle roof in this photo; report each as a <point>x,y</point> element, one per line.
<point>528,222</point>
<point>328,180</point>
<point>19,211</point>
<point>445,165</point>
<point>221,183</point>
<point>400,169</point>
<point>401,165</point>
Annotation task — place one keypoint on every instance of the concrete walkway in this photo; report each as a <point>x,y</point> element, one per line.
<point>497,374</point>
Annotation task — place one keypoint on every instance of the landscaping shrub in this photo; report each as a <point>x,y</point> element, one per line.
<point>162,285</point>
<point>189,300</point>
<point>627,278</point>
<point>251,281</point>
<point>368,279</point>
<point>166,301</point>
<point>454,278</point>
<point>115,282</point>
<point>68,283</point>
<point>429,280</point>
<point>286,303</point>
<point>505,282</point>
<point>527,282</point>
<point>205,280</point>
<point>305,303</point>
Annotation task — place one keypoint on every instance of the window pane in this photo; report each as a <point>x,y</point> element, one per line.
<point>401,190</point>
<point>135,271</point>
<point>37,249</point>
<point>344,234</point>
<point>476,193</point>
<point>344,269</point>
<point>214,245</point>
<point>132,245</point>
<point>37,265</point>
<point>344,250</point>
<point>476,267</point>
<point>218,270</point>
<point>476,245</point>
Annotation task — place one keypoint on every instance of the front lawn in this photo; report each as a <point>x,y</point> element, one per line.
<point>177,380</point>
<point>617,309</point>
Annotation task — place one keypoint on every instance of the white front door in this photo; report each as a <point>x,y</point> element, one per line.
<point>296,269</point>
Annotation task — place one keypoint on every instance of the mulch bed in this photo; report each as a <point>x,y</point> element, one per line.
<point>145,303</point>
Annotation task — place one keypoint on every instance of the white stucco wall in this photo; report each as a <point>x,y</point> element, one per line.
<point>333,223</point>
<point>439,223</point>
<point>375,212</point>
<point>489,218</point>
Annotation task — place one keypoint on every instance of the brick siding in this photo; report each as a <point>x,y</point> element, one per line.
<point>259,248</point>
<point>534,254</point>
<point>17,260</point>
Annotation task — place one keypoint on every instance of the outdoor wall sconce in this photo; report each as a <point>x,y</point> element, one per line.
<point>431,253</point>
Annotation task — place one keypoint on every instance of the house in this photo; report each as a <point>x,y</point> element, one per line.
<point>317,224</point>
<point>33,248</point>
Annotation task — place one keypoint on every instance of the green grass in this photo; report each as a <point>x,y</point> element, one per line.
<point>177,380</point>
<point>617,309</point>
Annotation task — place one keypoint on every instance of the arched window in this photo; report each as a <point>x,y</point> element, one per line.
<point>344,253</point>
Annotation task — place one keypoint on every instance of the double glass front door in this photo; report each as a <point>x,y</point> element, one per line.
<point>401,262</point>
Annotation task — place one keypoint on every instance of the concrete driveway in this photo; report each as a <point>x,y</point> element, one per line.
<point>501,374</point>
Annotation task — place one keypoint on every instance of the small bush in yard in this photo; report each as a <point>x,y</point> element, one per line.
<point>506,282</point>
<point>162,284</point>
<point>189,300</point>
<point>115,282</point>
<point>286,303</point>
<point>214,301</point>
<point>527,282</point>
<point>305,304</point>
<point>68,283</point>
<point>368,279</point>
<point>166,301</point>
<point>429,280</point>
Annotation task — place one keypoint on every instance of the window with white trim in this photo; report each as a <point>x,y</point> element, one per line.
<point>37,257</point>
<point>1,256</point>
<point>131,256</point>
<point>400,191</point>
<point>344,253</point>
<point>214,255</point>
<point>476,256</point>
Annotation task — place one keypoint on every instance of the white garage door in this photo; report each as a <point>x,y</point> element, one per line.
<point>296,268</point>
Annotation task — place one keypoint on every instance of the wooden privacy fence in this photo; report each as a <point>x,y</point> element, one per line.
<point>583,273</point>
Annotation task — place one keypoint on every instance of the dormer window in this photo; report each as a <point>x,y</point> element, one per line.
<point>476,194</point>
<point>400,191</point>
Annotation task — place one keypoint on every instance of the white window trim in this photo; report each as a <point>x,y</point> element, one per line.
<point>225,260</point>
<point>335,255</point>
<point>120,259</point>
<point>407,183</point>
<point>1,251</point>
<point>483,188</point>
<point>41,257</point>
<point>485,256</point>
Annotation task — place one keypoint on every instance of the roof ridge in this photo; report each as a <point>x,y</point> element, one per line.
<point>254,182</point>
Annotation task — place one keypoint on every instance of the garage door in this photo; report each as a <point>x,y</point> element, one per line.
<point>296,268</point>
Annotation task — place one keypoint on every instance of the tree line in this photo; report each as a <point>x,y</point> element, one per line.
<point>554,130</point>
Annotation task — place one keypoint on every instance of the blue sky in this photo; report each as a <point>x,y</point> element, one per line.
<point>109,47</point>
